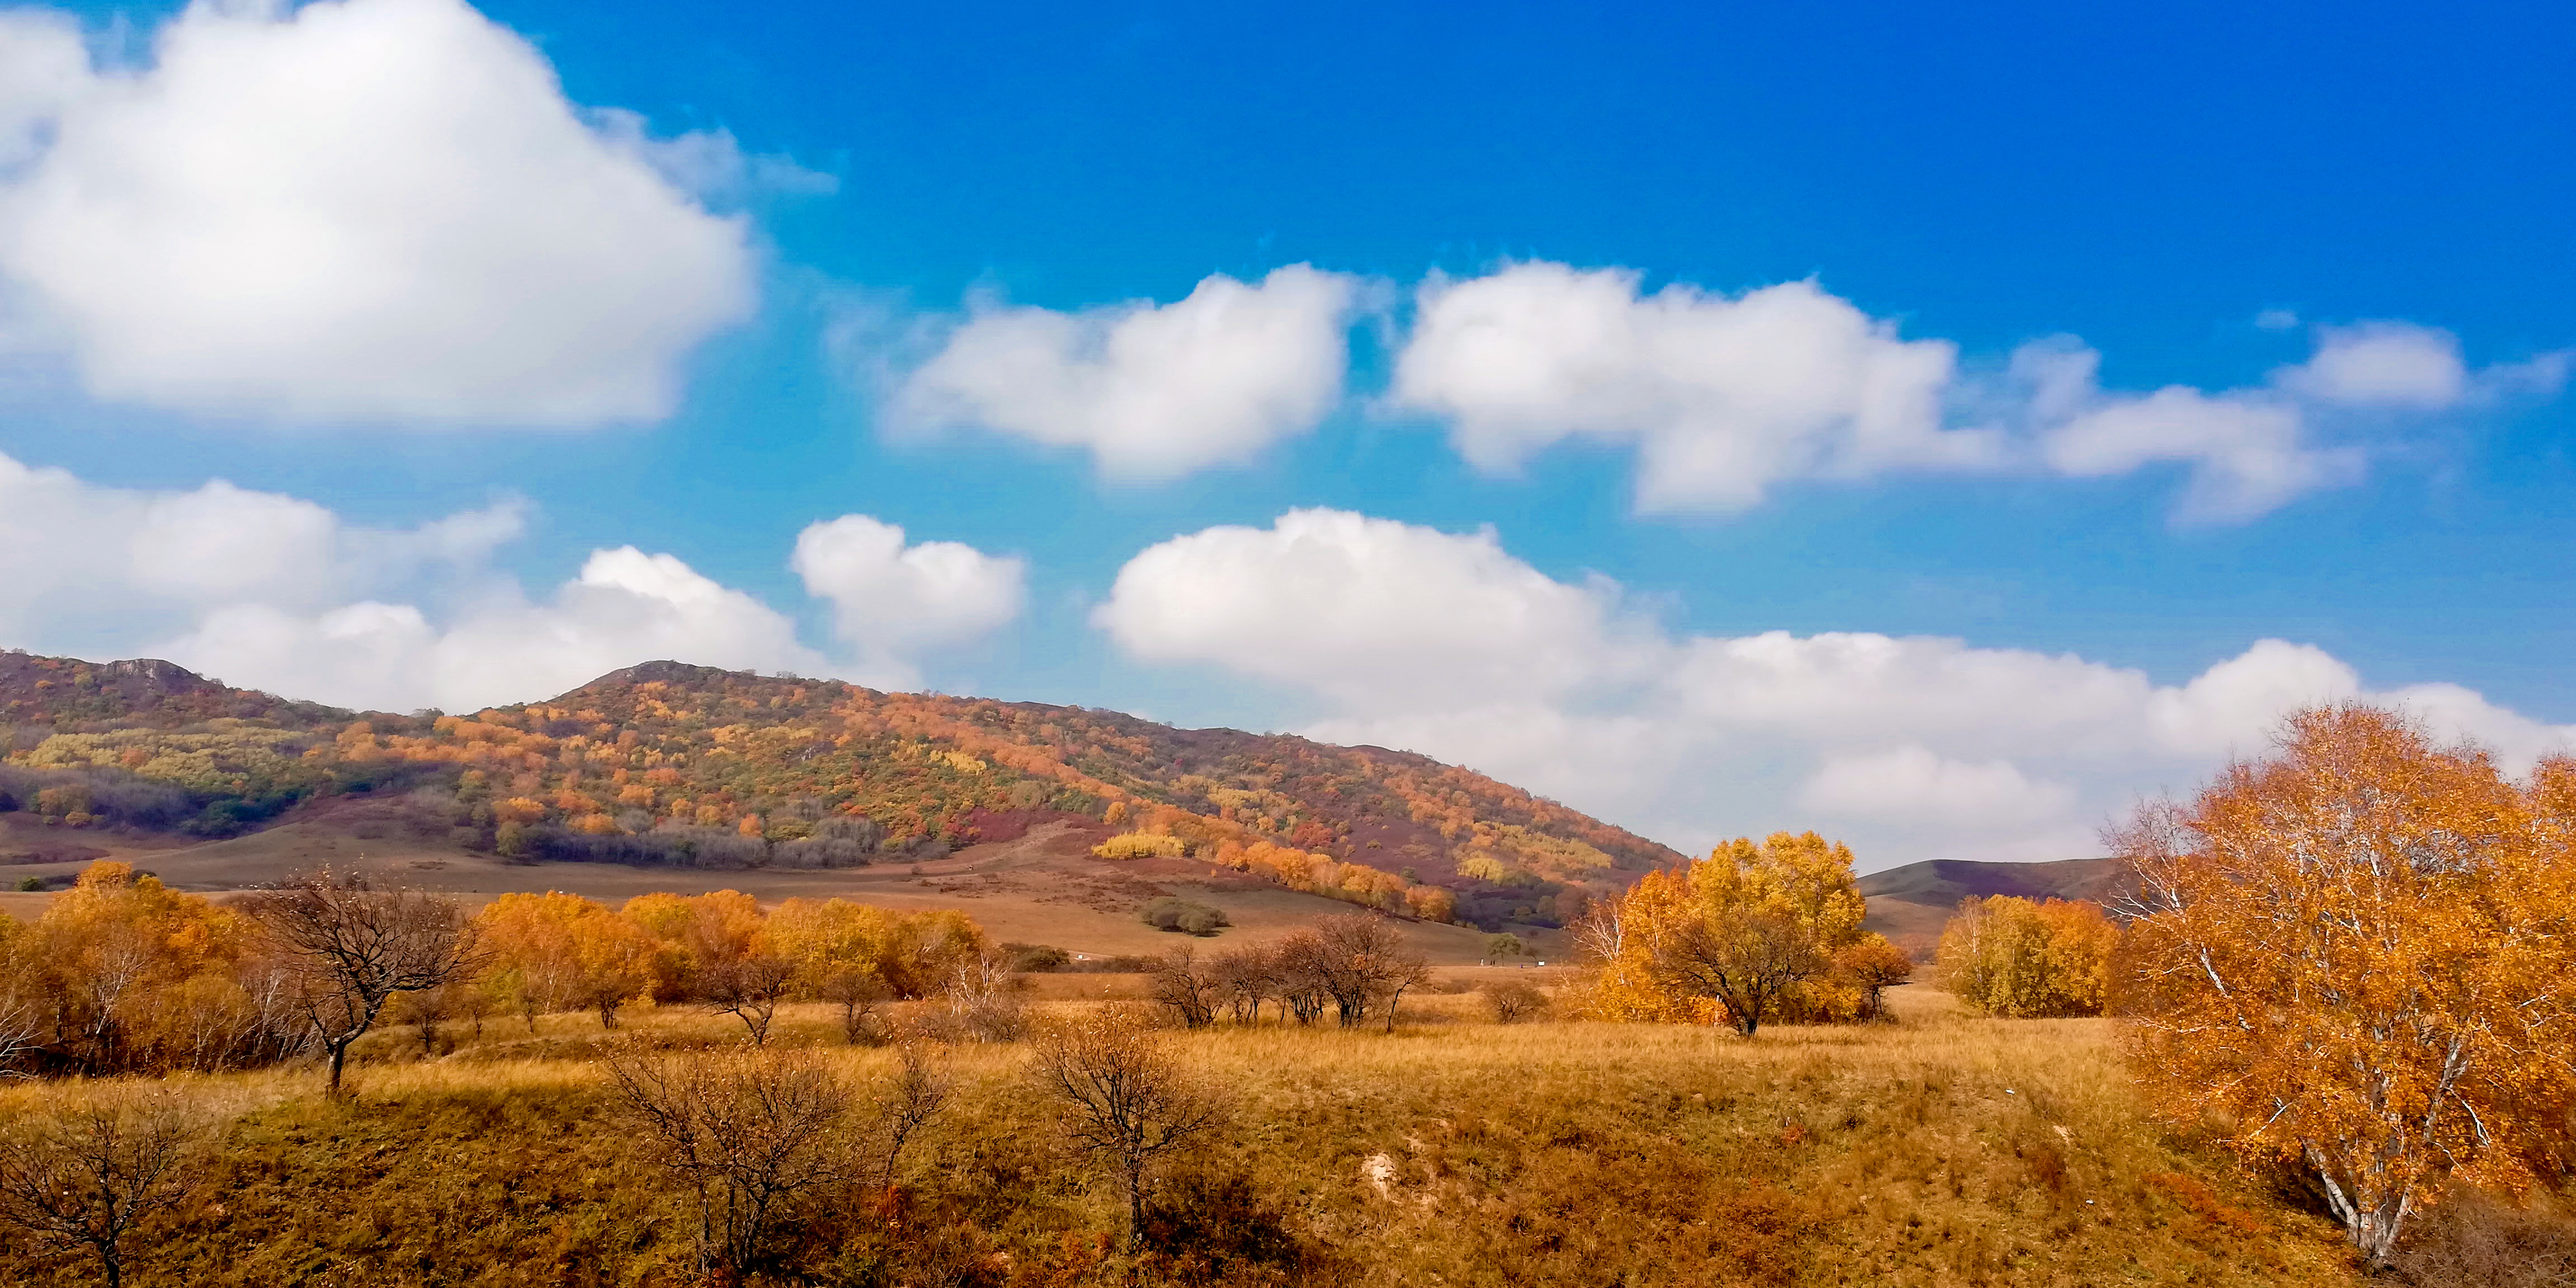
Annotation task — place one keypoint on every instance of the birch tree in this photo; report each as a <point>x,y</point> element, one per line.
<point>2356,954</point>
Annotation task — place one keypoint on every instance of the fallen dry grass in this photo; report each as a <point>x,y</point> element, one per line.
<point>1942,1149</point>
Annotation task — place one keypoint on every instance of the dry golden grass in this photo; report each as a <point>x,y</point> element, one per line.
<point>1938,1150</point>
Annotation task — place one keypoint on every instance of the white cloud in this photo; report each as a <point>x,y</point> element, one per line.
<point>2248,454</point>
<point>625,607</point>
<point>363,210</point>
<point>1152,391</point>
<point>1909,784</point>
<point>88,560</point>
<point>1913,747</point>
<point>890,599</point>
<point>1414,613</point>
<point>2382,364</point>
<point>278,593</point>
<point>1722,397</point>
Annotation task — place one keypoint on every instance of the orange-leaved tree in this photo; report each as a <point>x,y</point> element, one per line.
<point>2357,953</point>
<point>1751,933</point>
<point>2009,956</point>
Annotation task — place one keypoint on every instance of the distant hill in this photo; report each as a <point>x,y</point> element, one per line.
<point>66,693</point>
<point>667,763</point>
<point>1910,904</point>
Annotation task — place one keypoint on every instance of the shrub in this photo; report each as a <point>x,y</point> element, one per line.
<point>1168,913</point>
<point>1208,1228</point>
<point>1036,959</point>
<point>1512,1000</point>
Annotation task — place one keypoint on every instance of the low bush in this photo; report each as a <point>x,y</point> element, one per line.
<point>1511,1000</point>
<point>1182,916</point>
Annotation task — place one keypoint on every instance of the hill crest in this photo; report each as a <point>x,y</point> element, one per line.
<point>670,762</point>
<point>1910,904</point>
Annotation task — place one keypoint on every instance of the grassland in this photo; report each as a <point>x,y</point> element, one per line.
<point>1939,1149</point>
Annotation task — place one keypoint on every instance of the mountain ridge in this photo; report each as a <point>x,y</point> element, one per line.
<point>666,761</point>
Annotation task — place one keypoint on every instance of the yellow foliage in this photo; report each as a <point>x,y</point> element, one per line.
<point>519,809</point>
<point>1141,845</point>
<point>690,933</point>
<point>1431,903</point>
<point>913,953</point>
<point>1801,877</point>
<point>137,976</point>
<point>2013,957</point>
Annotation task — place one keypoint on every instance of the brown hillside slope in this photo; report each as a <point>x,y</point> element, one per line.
<point>1910,904</point>
<point>675,765</point>
<point>67,693</point>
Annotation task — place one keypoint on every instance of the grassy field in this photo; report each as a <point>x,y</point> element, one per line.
<point>1940,1149</point>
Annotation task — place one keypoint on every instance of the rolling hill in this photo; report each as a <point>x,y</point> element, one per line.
<point>1910,904</point>
<point>671,766</point>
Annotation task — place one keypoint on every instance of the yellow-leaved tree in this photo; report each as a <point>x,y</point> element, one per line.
<point>557,951</point>
<point>2358,953</point>
<point>2009,956</point>
<point>1752,933</point>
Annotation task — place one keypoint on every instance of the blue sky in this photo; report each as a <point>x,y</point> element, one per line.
<point>2155,183</point>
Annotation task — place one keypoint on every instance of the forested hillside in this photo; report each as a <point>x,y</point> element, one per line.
<point>672,764</point>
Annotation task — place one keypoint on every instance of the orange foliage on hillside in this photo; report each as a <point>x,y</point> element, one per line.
<point>733,768</point>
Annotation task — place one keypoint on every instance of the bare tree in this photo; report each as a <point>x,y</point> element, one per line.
<point>984,999</point>
<point>20,1023</point>
<point>1245,978</point>
<point>748,990</point>
<point>425,1010</point>
<point>1392,976</point>
<point>755,1135</point>
<point>857,989</point>
<point>473,1003</point>
<point>353,946</point>
<point>749,1134</point>
<point>1511,1000</point>
<point>1184,988</point>
<point>1123,1100</point>
<point>1363,963</point>
<point>1601,933</point>
<point>1300,976</point>
<point>917,1095</point>
<point>1749,962</point>
<point>85,1180</point>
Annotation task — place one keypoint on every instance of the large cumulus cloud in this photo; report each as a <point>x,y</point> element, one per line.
<point>1916,747</point>
<point>357,210</point>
